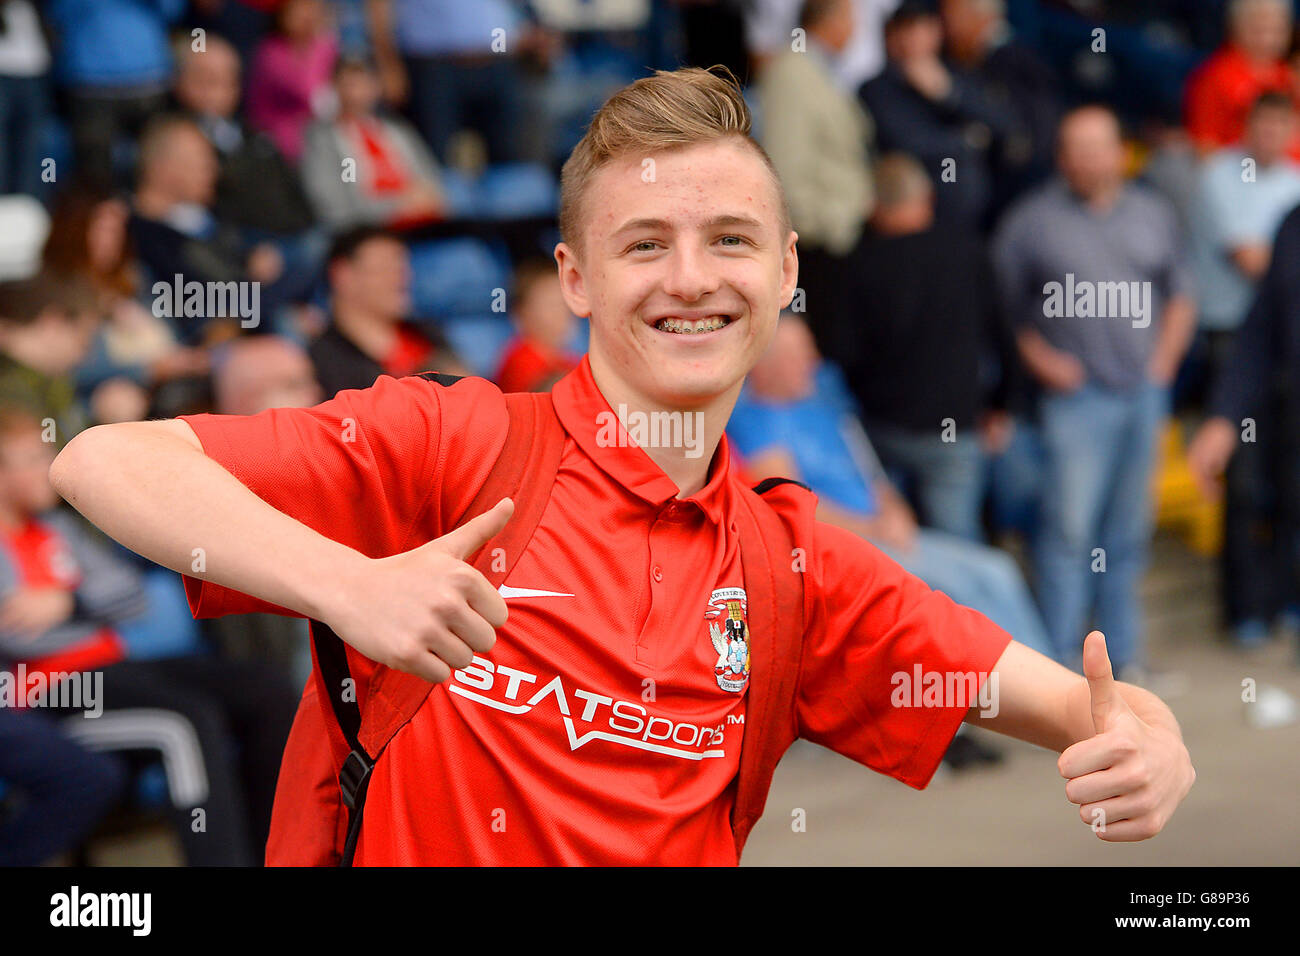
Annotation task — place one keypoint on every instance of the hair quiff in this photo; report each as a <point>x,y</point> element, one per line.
<point>670,109</point>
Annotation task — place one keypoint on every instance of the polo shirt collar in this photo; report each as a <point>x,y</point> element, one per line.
<point>579,405</point>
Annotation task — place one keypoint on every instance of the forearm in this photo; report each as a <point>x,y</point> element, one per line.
<point>151,488</point>
<point>1177,326</point>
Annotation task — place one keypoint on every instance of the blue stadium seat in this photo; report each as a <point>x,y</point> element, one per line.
<point>479,340</point>
<point>452,277</point>
<point>517,191</point>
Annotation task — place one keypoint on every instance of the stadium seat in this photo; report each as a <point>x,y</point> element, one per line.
<point>452,277</point>
<point>479,340</point>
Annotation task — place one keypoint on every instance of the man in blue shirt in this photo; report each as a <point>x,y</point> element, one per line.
<point>795,419</point>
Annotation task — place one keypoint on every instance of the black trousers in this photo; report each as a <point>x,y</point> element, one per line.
<point>1261,554</point>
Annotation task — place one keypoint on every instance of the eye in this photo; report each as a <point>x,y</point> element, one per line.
<point>733,241</point>
<point>643,245</point>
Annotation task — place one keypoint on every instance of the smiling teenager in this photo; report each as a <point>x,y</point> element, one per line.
<point>607,668</point>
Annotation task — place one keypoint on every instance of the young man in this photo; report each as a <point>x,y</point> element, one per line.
<point>602,719</point>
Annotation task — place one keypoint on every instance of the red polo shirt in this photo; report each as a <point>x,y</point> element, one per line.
<point>605,725</point>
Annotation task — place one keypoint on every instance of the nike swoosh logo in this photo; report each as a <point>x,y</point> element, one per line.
<point>507,591</point>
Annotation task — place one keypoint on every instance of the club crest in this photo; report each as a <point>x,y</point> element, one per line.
<point>729,632</point>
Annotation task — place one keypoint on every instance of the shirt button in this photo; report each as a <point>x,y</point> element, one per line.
<point>657,574</point>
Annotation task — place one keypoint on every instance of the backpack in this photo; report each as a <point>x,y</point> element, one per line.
<point>321,792</point>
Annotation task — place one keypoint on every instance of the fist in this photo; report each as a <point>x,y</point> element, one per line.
<point>425,611</point>
<point>1130,776</point>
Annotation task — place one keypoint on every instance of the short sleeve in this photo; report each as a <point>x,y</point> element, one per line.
<point>359,469</point>
<point>890,667</point>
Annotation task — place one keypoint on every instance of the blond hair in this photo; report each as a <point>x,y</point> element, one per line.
<point>668,110</point>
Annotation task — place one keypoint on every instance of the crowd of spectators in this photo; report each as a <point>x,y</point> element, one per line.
<point>1029,234</point>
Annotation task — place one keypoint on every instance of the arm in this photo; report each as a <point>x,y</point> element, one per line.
<point>392,72</point>
<point>1121,748</point>
<point>150,486</point>
<point>1177,326</point>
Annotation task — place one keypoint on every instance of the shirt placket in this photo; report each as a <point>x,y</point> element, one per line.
<point>668,581</point>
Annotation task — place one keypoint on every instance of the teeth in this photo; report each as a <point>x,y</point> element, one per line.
<point>688,327</point>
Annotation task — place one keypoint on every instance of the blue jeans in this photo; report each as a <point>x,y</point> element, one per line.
<point>946,478</point>
<point>1099,450</point>
<point>977,576</point>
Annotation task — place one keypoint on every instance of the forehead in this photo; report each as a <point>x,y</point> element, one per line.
<point>686,187</point>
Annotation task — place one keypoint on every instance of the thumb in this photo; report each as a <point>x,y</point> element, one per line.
<point>476,532</point>
<point>1106,699</point>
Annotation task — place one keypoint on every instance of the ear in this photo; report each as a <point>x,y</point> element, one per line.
<point>572,286</point>
<point>789,269</point>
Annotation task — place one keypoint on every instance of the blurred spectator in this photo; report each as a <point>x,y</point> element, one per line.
<point>46,325</point>
<point>769,26</point>
<point>1092,271</point>
<point>1244,194</point>
<point>538,356</point>
<point>1222,90</point>
<point>944,119</point>
<point>24,97</point>
<point>254,373</point>
<point>289,77</point>
<point>391,177</point>
<point>785,424</point>
<point>61,789</point>
<point>819,140</point>
<point>1254,433</point>
<point>979,40</point>
<point>176,233</point>
<point>133,350</point>
<point>918,343</point>
<point>113,58</point>
<point>257,189</point>
<point>264,371</point>
<point>242,22</point>
<point>458,64</point>
<point>63,601</point>
<point>369,334</point>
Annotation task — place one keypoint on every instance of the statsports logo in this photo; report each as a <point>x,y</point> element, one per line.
<point>729,632</point>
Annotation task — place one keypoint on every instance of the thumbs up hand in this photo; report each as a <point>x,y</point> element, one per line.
<point>425,611</point>
<point>1130,775</point>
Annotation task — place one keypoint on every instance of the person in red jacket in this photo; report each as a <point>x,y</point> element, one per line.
<point>1222,90</point>
<point>538,356</point>
<point>592,707</point>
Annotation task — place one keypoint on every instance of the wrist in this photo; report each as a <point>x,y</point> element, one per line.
<point>323,587</point>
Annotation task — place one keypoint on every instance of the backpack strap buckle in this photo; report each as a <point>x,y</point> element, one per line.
<point>354,777</point>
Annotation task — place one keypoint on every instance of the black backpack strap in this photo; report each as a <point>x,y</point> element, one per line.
<point>354,777</point>
<point>767,484</point>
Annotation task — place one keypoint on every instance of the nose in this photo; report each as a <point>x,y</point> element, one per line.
<point>691,273</point>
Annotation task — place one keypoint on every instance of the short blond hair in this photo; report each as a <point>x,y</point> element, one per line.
<point>668,110</point>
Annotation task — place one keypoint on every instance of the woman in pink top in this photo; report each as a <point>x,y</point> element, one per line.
<point>289,79</point>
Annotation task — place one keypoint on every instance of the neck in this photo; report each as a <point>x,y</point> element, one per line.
<point>11,519</point>
<point>151,202</point>
<point>1103,197</point>
<point>372,333</point>
<point>688,468</point>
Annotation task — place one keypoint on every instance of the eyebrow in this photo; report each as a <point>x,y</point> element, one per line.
<point>663,224</point>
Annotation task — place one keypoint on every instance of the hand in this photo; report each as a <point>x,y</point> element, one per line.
<point>265,263</point>
<point>1161,369</point>
<point>929,77</point>
<point>33,611</point>
<point>393,81</point>
<point>1062,372</point>
<point>996,429</point>
<point>425,611</point>
<point>1209,453</point>
<point>1130,777</point>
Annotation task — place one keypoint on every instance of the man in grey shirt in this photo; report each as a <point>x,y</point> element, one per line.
<point>1092,271</point>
